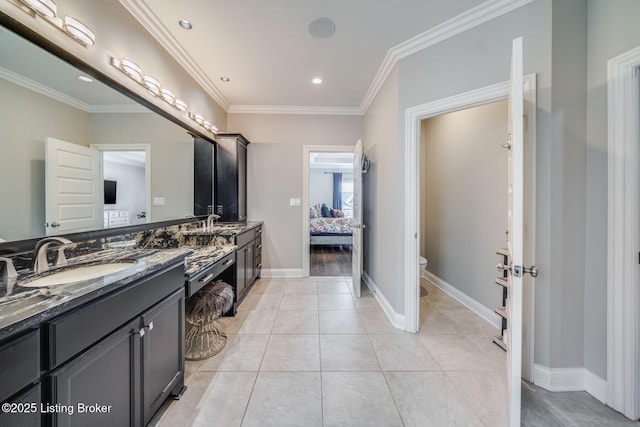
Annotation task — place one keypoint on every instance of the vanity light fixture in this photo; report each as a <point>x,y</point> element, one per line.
<point>168,96</point>
<point>199,119</point>
<point>206,124</point>
<point>79,31</point>
<point>152,84</point>
<point>130,68</point>
<point>43,7</point>
<point>180,105</point>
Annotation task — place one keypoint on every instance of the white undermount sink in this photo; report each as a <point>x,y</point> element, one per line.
<point>77,273</point>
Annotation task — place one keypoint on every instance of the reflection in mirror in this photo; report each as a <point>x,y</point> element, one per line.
<point>44,97</point>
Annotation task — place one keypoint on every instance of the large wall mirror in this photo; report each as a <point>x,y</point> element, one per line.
<point>146,159</point>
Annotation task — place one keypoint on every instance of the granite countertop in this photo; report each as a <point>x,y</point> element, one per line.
<point>22,307</point>
<point>205,256</point>
<point>223,229</point>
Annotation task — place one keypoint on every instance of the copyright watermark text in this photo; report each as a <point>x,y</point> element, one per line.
<point>47,408</point>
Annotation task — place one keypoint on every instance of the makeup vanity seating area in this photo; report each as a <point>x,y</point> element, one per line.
<point>109,350</point>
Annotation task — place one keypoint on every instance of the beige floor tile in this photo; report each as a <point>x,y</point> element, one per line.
<point>432,322</point>
<point>231,325</point>
<point>292,353</point>
<point>336,302</point>
<point>182,412</point>
<point>258,322</point>
<point>377,322</point>
<point>347,353</point>
<point>268,302</point>
<point>468,322</point>
<point>429,399</point>
<point>242,353</point>
<point>340,322</point>
<point>457,353</point>
<point>225,399</point>
<point>485,342</point>
<point>299,302</point>
<point>402,353</point>
<point>326,287</point>
<point>366,302</point>
<point>301,288</point>
<point>357,399</point>
<point>486,392</point>
<point>296,322</point>
<point>285,399</point>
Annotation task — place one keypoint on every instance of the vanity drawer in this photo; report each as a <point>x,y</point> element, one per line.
<point>69,334</point>
<point>19,363</point>
<point>195,284</point>
<point>258,232</point>
<point>245,238</point>
<point>258,250</point>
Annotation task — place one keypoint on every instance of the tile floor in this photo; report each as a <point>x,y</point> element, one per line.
<point>304,352</point>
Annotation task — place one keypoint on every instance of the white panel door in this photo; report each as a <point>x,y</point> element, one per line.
<point>73,188</point>
<point>356,252</point>
<point>516,234</point>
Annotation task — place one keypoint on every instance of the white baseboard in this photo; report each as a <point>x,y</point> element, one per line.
<point>570,379</point>
<point>595,386</point>
<point>281,272</point>
<point>397,320</point>
<point>486,313</point>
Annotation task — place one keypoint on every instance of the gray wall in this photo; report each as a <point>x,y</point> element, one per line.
<point>613,29</point>
<point>26,119</point>
<point>382,194</point>
<point>171,156</point>
<point>275,174</point>
<point>463,189</point>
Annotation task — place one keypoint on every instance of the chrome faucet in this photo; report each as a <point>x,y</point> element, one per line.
<point>40,263</point>
<point>10,270</point>
<point>212,219</point>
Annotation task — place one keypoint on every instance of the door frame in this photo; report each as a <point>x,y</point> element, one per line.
<point>147,170</point>
<point>413,117</point>
<point>306,150</point>
<point>623,297</point>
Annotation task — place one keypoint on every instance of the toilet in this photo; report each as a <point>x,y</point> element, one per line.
<point>423,266</point>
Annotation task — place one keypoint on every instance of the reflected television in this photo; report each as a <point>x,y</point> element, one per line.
<point>110,192</point>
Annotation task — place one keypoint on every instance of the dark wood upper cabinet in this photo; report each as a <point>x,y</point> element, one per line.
<point>231,177</point>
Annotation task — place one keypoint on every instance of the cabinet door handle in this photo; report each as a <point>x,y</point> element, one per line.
<point>260,231</point>
<point>227,262</point>
<point>260,266</point>
<point>141,332</point>
<point>150,326</point>
<point>259,246</point>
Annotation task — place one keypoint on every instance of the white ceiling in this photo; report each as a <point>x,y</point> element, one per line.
<point>331,161</point>
<point>265,49</point>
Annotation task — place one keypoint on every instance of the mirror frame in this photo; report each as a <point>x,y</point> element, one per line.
<point>17,246</point>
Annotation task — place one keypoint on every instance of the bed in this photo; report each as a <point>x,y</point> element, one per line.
<point>330,231</point>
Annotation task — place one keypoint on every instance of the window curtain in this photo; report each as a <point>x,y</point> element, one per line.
<point>337,191</point>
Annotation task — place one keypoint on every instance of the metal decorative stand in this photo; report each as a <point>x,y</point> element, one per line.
<point>205,337</point>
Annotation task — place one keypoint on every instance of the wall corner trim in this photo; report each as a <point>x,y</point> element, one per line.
<point>397,320</point>
<point>570,379</point>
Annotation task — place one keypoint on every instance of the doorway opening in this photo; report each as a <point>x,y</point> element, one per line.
<point>126,175</point>
<point>330,213</point>
<point>463,184</point>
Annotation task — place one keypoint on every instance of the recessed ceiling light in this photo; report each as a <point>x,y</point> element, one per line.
<point>322,28</point>
<point>225,79</point>
<point>85,79</point>
<point>185,24</point>
<point>316,81</point>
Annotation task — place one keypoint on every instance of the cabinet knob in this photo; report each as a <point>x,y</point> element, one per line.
<point>150,326</point>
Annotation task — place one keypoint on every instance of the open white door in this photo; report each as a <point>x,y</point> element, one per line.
<point>516,235</point>
<point>356,251</point>
<point>73,188</point>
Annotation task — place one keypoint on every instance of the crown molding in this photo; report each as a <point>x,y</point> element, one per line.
<point>42,89</point>
<point>294,109</point>
<point>458,24</point>
<point>141,11</point>
<point>473,17</point>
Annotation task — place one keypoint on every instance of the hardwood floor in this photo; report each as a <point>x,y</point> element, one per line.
<point>330,261</point>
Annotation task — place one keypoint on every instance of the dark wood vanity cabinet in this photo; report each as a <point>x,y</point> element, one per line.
<point>231,177</point>
<point>248,260</point>
<point>203,176</point>
<point>132,369</point>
